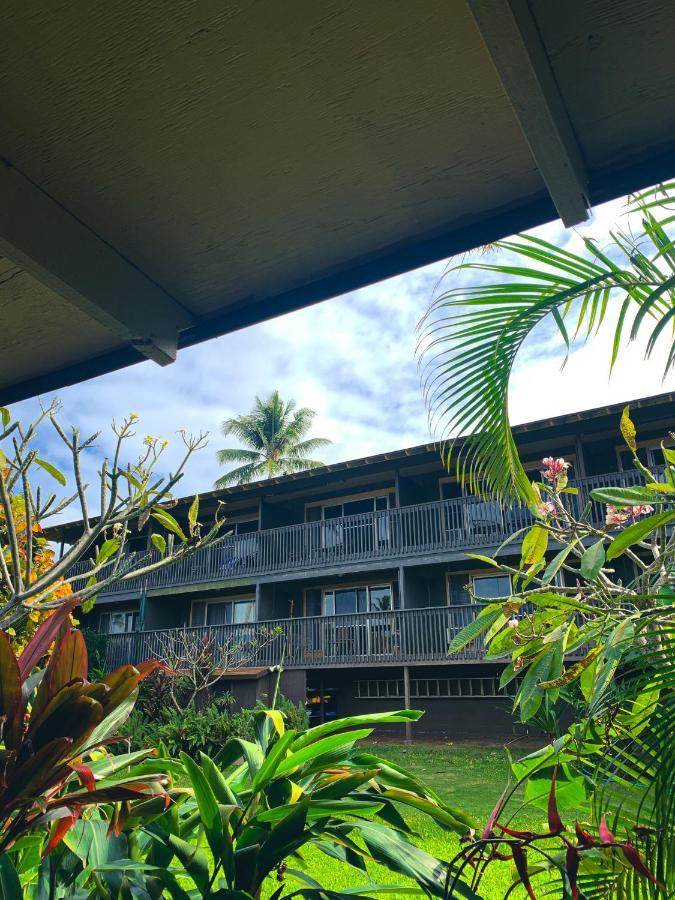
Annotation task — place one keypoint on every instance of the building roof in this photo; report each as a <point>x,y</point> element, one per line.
<point>174,172</point>
<point>236,492</point>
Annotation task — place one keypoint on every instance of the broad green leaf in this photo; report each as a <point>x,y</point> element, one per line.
<point>218,838</point>
<point>52,470</point>
<point>4,416</point>
<point>272,760</point>
<point>10,886</point>
<point>393,850</point>
<point>488,560</point>
<point>386,718</point>
<point>318,748</point>
<point>628,496</point>
<point>554,566</point>
<point>660,487</point>
<point>193,859</point>
<point>570,789</point>
<point>534,546</point>
<point>592,561</point>
<point>573,672</point>
<point>454,820</point>
<point>167,521</point>
<point>107,549</point>
<point>159,543</point>
<point>531,694</point>
<point>638,532</point>
<point>474,629</point>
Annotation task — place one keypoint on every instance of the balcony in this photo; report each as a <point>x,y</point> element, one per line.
<point>372,638</point>
<point>403,533</point>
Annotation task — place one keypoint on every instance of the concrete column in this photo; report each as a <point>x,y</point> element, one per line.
<point>406,694</point>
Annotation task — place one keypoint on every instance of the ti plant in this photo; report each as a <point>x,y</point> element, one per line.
<point>129,494</point>
<point>575,621</point>
<point>293,790</point>
<point>53,722</point>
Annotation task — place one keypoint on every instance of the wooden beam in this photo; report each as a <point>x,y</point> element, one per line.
<point>513,41</point>
<point>59,250</point>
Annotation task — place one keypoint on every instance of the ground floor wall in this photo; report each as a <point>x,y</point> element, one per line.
<point>458,702</point>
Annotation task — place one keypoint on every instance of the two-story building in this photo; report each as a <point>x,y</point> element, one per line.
<point>362,569</point>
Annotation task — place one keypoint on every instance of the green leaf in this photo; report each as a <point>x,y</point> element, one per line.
<point>273,759</point>
<point>638,532</point>
<point>393,850</point>
<point>661,488</point>
<point>553,567</point>
<point>534,546</point>
<point>106,550</point>
<point>592,561</point>
<point>167,520</point>
<point>159,543</point>
<point>474,629</point>
<point>52,470</point>
<point>550,600</point>
<point>193,859</point>
<point>626,496</point>
<point>573,672</point>
<point>323,745</point>
<point>10,886</point>
<point>385,718</point>
<point>218,839</point>
<point>193,513</point>
<point>4,416</point>
<point>488,560</point>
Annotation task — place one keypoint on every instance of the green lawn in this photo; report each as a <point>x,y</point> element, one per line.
<point>468,777</point>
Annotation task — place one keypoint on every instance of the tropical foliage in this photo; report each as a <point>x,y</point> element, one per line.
<point>31,579</point>
<point>574,622</point>
<point>273,435</point>
<point>54,720</point>
<point>472,333</point>
<point>292,790</point>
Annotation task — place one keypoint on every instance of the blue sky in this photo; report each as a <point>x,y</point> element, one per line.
<point>352,360</point>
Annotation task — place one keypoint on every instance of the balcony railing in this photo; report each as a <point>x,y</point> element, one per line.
<point>403,532</point>
<point>395,636</point>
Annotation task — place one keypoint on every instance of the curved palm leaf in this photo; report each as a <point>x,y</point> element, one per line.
<point>470,336</point>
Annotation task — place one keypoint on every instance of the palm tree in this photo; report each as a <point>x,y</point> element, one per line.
<point>470,336</point>
<point>273,433</point>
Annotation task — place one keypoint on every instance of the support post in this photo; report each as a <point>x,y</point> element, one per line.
<point>406,694</point>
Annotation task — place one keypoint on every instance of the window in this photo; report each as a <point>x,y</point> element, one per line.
<point>358,532</point>
<point>485,587</point>
<point>224,612</point>
<point>369,598</point>
<point>488,587</point>
<point>432,688</point>
<point>118,622</point>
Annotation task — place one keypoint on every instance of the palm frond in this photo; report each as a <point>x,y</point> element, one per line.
<point>471,336</point>
<point>308,446</point>
<point>237,455</point>
<point>242,475</point>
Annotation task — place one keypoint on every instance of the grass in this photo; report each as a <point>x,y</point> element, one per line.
<point>471,778</point>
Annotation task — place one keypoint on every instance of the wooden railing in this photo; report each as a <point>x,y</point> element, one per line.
<point>408,531</point>
<point>395,636</point>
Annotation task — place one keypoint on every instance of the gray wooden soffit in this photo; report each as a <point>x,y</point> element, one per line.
<point>61,252</point>
<point>515,47</point>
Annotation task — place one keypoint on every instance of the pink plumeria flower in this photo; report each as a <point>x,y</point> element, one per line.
<point>512,623</point>
<point>615,517</point>
<point>643,509</point>
<point>554,467</point>
<point>547,510</point>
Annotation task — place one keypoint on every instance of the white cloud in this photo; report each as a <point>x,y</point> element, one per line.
<point>352,360</point>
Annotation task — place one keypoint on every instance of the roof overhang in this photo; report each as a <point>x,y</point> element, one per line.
<point>175,173</point>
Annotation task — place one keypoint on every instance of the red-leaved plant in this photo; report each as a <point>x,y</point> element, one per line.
<point>51,720</point>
